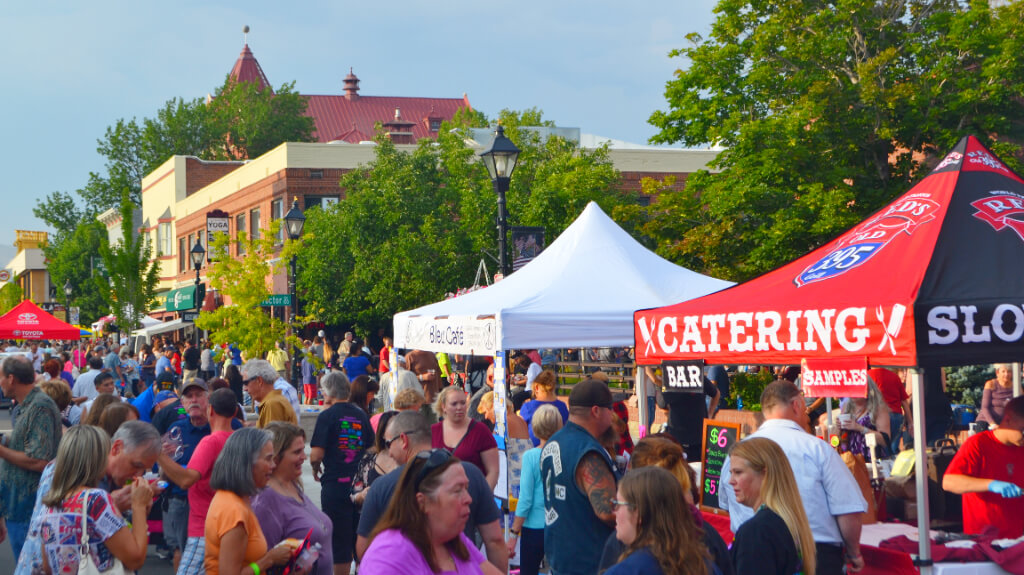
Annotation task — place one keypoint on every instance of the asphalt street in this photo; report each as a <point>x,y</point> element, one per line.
<point>154,565</point>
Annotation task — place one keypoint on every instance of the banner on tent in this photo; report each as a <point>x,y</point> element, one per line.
<point>846,377</point>
<point>452,334</point>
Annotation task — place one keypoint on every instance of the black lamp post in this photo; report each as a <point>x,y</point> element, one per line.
<point>294,221</point>
<point>197,254</point>
<point>500,159</point>
<point>67,299</point>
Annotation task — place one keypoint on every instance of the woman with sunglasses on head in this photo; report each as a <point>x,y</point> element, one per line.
<point>778,539</point>
<point>466,438</point>
<point>421,531</point>
<point>653,521</point>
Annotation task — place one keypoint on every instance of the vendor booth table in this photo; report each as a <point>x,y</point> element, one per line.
<point>932,279</point>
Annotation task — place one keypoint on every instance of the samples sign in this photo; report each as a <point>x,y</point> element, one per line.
<point>847,377</point>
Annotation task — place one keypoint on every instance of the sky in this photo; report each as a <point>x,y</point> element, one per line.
<point>72,68</point>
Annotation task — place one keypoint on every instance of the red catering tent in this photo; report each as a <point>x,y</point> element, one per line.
<point>933,278</point>
<point>29,321</point>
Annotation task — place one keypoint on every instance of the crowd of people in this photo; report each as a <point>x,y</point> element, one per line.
<point>408,467</point>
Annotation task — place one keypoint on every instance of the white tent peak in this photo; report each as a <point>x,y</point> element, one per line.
<point>581,290</point>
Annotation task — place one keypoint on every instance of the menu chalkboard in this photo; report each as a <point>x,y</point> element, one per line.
<point>719,437</point>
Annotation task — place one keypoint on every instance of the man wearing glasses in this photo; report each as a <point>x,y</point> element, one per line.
<point>579,484</point>
<point>407,435</point>
<point>258,376</point>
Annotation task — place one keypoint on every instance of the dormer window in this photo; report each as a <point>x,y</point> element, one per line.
<point>435,124</point>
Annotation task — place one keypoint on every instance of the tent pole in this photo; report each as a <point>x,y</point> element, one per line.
<point>640,385</point>
<point>1016,378</point>
<point>921,474</point>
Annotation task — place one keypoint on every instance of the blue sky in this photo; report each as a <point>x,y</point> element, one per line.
<point>72,69</point>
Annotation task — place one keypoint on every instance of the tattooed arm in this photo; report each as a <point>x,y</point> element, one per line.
<point>594,477</point>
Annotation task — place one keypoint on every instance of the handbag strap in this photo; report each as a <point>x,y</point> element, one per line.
<point>85,520</point>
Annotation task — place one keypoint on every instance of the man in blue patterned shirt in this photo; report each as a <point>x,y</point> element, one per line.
<point>32,445</point>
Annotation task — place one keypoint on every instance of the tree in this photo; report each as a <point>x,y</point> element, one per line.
<point>244,281</point>
<point>132,274</point>
<point>10,296</point>
<point>249,121</point>
<point>413,226</point>
<point>826,112</point>
<point>78,260</point>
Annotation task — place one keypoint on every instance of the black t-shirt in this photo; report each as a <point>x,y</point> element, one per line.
<point>191,358</point>
<point>686,413</point>
<point>344,432</point>
<point>165,417</point>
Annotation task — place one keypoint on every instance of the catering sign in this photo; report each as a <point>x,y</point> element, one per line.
<point>451,334</point>
<point>849,331</point>
<point>846,377</point>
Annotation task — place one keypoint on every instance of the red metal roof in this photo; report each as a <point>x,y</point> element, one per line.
<point>352,120</point>
<point>351,117</point>
<point>247,69</point>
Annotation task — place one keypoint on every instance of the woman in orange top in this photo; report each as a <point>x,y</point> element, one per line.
<point>234,541</point>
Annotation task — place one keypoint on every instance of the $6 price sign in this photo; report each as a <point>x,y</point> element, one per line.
<point>720,438</point>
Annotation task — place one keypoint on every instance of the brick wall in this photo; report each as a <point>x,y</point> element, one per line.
<point>199,174</point>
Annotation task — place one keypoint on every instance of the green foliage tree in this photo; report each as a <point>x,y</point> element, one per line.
<point>412,226</point>
<point>826,111</point>
<point>249,121</point>
<point>244,281</point>
<point>132,273</point>
<point>964,384</point>
<point>10,296</point>
<point>78,260</point>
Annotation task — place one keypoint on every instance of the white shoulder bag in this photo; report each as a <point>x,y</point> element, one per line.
<point>86,566</point>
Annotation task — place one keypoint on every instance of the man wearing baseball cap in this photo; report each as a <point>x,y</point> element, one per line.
<point>578,498</point>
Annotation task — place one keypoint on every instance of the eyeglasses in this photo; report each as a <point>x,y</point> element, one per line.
<point>388,442</point>
<point>435,458</point>
<point>617,503</point>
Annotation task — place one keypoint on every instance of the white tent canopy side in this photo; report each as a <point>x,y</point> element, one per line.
<point>579,292</point>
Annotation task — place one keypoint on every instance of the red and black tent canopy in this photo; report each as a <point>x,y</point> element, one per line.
<point>29,321</point>
<point>934,278</point>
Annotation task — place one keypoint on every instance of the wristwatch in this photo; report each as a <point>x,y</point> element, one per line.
<point>514,533</point>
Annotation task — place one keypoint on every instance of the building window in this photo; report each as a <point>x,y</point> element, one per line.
<point>164,241</point>
<point>254,224</point>
<point>435,124</point>
<point>322,202</point>
<point>182,251</point>
<point>240,233</point>
<point>276,213</point>
<point>316,174</point>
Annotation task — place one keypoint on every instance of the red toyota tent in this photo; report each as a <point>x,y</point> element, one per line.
<point>932,279</point>
<point>29,321</point>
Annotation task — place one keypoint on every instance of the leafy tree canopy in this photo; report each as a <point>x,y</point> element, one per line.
<point>78,260</point>
<point>826,111</point>
<point>133,274</point>
<point>414,226</point>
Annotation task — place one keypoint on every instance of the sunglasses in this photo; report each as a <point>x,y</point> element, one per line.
<point>616,503</point>
<point>434,458</point>
<point>388,442</point>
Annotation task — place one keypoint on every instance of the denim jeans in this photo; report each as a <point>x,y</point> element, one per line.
<point>895,431</point>
<point>17,532</point>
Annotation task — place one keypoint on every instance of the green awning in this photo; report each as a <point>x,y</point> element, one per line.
<point>180,299</point>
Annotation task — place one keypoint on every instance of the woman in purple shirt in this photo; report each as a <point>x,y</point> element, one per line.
<point>282,508</point>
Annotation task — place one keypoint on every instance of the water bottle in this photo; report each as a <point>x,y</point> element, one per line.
<point>739,403</point>
<point>308,557</point>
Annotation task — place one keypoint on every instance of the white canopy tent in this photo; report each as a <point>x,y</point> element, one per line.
<point>579,292</point>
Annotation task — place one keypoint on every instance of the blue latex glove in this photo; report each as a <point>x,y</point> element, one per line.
<point>1005,489</point>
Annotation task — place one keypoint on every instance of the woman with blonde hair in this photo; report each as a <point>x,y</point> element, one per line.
<point>777,539</point>
<point>543,394</point>
<point>666,453</point>
<point>466,438</point>
<point>528,526</point>
<point>77,513</point>
<point>515,426</point>
<point>656,526</point>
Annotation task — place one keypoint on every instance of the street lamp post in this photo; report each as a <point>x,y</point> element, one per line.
<point>500,159</point>
<point>198,254</point>
<point>67,299</point>
<point>294,221</point>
